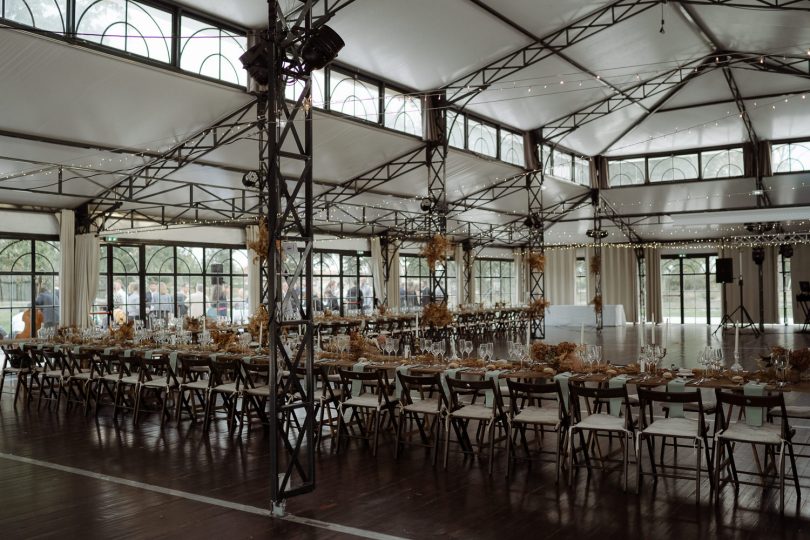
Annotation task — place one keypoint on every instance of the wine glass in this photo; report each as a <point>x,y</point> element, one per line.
<point>780,362</point>
<point>395,346</point>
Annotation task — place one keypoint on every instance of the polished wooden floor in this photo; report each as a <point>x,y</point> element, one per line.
<point>66,475</point>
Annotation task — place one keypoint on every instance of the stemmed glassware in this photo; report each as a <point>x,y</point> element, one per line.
<point>781,361</point>
<point>468,347</point>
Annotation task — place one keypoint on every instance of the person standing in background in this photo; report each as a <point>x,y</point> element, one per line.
<point>182,296</point>
<point>45,301</point>
<point>133,302</point>
<point>196,302</point>
<point>368,294</point>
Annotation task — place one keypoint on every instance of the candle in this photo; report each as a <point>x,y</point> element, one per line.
<point>736,339</point>
<point>652,339</point>
<point>417,326</point>
<point>666,333</point>
<point>740,269</point>
<point>643,329</point>
<point>319,339</point>
<point>529,335</point>
<point>581,333</point>
<point>261,328</point>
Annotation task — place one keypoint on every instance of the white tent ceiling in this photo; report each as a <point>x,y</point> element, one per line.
<point>92,113</point>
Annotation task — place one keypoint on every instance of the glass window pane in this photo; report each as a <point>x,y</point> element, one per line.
<point>211,51</point>
<point>482,138</point>
<point>547,159</point>
<point>512,148</point>
<point>669,168</point>
<point>159,259</point>
<point>292,91</point>
<point>722,163</point>
<point>792,157</point>
<point>127,26</point>
<point>125,260</point>
<point>354,97</point>
<point>455,129</point>
<point>582,171</point>
<point>45,14</point>
<point>626,172</point>
<point>403,113</point>
<point>562,165</point>
<point>48,257</point>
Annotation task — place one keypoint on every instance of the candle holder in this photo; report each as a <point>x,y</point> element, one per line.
<point>736,366</point>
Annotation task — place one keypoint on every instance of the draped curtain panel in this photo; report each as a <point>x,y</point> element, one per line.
<point>86,277</point>
<point>392,286</point>
<point>750,275</point>
<point>377,270</point>
<point>67,290</point>
<point>620,280</point>
<point>799,271</point>
<point>530,153</point>
<point>518,278</point>
<point>459,257</point>
<point>560,276</point>
<point>254,269</point>
<point>652,283</point>
<point>590,280</point>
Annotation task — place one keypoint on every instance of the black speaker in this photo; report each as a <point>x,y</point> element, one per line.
<point>724,271</point>
<point>216,268</point>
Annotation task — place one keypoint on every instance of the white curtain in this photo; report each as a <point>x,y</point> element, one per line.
<point>620,280</point>
<point>459,257</point>
<point>85,277</point>
<point>652,282</point>
<point>67,290</point>
<point>378,270</point>
<point>750,275</point>
<point>799,271</point>
<point>518,278</point>
<point>254,269</point>
<point>591,279</point>
<point>392,286</point>
<point>560,276</point>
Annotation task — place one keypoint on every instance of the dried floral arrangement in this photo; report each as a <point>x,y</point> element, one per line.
<point>258,320</point>
<point>223,339</point>
<point>799,358</point>
<point>359,345</point>
<point>382,309</point>
<point>436,314</point>
<point>596,265</point>
<point>124,332</point>
<point>192,324</point>
<point>597,303</point>
<point>68,334</point>
<point>537,262</point>
<point>537,308</point>
<point>327,313</point>
<point>261,245</point>
<point>560,356</point>
<point>436,250</point>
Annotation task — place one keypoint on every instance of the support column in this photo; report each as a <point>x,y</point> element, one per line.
<point>468,294</point>
<point>595,263</point>
<point>536,245</point>
<point>436,161</point>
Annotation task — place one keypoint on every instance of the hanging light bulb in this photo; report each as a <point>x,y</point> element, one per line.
<point>662,30</point>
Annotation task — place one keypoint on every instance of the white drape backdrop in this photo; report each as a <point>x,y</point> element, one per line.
<point>459,257</point>
<point>750,275</point>
<point>392,286</point>
<point>620,280</point>
<point>377,270</point>
<point>652,282</point>
<point>254,269</point>
<point>590,280</point>
<point>518,278</point>
<point>85,281</point>
<point>560,276</point>
<point>800,271</point>
<point>67,242</point>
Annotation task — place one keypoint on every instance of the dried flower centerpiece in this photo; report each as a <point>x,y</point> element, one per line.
<point>537,262</point>
<point>261,245</point>
<point>124,332</point>
<point>436,315</point>
<point>192,324</point>
<point>559,357</point>
<point>436,251</point>
<point>597,303</point>
<point>258,325</point>
<point>537,308</point>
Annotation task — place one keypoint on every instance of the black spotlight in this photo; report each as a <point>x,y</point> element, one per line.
<point>426,204</point>
<point>250,179</point>
<point>758,255</point>
<point>467,245</point>
<point>786,251</point>
<point>255,61</point>
<point>321,48</point>
<point>529,221</point>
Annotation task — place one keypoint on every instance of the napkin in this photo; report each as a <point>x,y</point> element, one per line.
<point>676,385</point>
<point>489,395</point>
<point>563,378</point>
<point>753,415</point>
<point>615,404</point>
<point>451,373</point>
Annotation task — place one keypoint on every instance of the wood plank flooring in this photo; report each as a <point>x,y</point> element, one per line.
<point>406,498</point>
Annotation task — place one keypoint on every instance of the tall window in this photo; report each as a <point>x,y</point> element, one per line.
<point>211,51</point>
<point>455,129</point>
<point>342,282</point>
<point>29,276</point>
<point>126,25</point>
<point>581,283</point>
<point>414,282</point>
<point>690,294</point>
<point>161,281</point>
<point>352,96</point>
<point>403,112</point>
<point>482,138</point>
<point>785,291</point>
<point>493,281</point>
<point>512,148</point>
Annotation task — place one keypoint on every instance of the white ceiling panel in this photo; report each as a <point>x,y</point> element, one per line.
<point>592,138</point>
<point>543,18</point>
<point>708,87</point>
<point>422,44</point>
<point>776,119</point>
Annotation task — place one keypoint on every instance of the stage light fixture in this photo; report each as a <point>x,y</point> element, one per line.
<point>255,61</point>
<point>786,251</point>
<point>250,179</point>
<point>758,254</point>
<point>426,204</point>
<point>321,48</point>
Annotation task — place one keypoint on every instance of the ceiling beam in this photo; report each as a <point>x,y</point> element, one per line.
<point>731,100</point>
<point>467,87</point>
<point>775,5</point>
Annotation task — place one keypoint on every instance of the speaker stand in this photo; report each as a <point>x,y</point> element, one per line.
<point>742,314</point>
